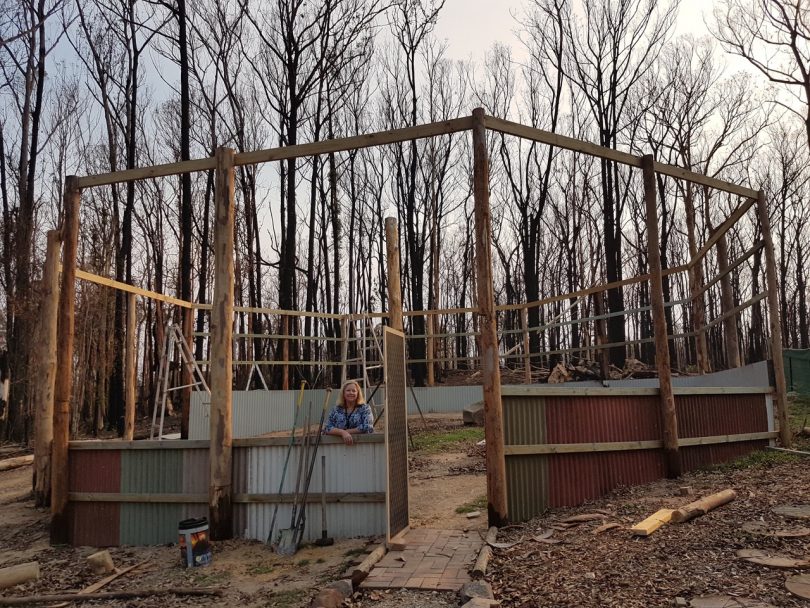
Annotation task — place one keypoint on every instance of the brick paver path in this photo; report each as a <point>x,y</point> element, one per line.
<point>432,559</point>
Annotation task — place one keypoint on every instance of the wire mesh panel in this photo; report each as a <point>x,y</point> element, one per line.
<point>396,431</point>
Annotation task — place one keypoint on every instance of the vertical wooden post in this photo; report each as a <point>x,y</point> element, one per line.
<point>732,342</point>
<point>394,284</point>
<point>64,365</point>
<point>431,350</point>
<point>221,445</point>
<point>44,371</point>
<point>130,379</point>
<point>785,436</point>
<point>285,353</point>
<point>527,356</point>
<point>490,361</point>
<point>669,418</point>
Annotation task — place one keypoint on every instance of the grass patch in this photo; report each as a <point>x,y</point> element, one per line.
<point>287,599</point>
<point>259,569</point>
<point>303,562</point>
<point>356,551</point>
<point>438,441</point>
<point>760,458</point>
<point>479,504</point>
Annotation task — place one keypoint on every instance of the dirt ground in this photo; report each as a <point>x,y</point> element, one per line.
<point>249,573</point>
<point>571,567</point>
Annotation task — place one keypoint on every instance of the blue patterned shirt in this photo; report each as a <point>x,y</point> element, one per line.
<point>361,418</point>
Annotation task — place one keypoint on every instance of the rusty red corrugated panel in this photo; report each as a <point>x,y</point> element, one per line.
<point>95,524</point>
<point>577,478</point>
<point>711,415</point>
<point>95,470</point>
<point>704,456</point>
<point>602,419</point>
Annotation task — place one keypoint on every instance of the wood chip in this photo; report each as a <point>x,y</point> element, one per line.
<point>755,556</point>
<point>799,585</point>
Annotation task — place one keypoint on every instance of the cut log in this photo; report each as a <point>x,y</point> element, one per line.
<point>15,463</point>
<point>703,506</point>
<point>106,595</point>
<point>21,573</point>
<point>101,562</point>
<point>652,523</point>
<point>360,573</point>
<point>480,568</point>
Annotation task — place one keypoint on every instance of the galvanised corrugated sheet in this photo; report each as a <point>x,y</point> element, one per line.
<point>256,413</point>
<point>703,456</point>
<point>443,399</point>
<point>195,480</point>
<point>151,472</point>
<point>349,469</point>
<point>524,423</point>
<point>94,524</point>
<point>711,415</point>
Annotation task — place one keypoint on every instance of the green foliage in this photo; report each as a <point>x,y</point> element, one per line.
<point>759,458</point>
<point>438,441</point>
<point>287,599</point>
<point>479,504</point>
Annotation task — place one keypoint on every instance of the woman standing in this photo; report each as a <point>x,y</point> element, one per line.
<point>351,415</point>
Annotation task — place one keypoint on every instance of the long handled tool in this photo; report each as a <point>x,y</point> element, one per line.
<point>324,540</point>
<point>302,516</point>
<point>287,458</point>
<point>286,542</point>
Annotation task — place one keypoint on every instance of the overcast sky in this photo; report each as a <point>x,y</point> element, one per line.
<point>472,26</point>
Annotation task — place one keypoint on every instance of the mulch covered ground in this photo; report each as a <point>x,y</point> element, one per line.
<point>574,566</point>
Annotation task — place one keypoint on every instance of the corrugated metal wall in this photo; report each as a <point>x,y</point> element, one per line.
<point>536,482</point>
<point>355,471</point>
<point>256,413</point>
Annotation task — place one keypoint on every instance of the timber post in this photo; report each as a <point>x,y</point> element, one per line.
<point>221,442</point>
<point>672,456</point>
<point>131,373</point>
<point>64,365</point>
<point>490,361</point>
<point>785,435</point>
<point>394,281</point>
<point>45,371</point>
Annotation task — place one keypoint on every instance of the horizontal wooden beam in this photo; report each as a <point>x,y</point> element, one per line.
<point>630,391</point>
<point>356,142</point>
<point>180,498</point>
<point>718,232</point>
<point>196,444</point>
<point>626,446</point>
<point>577,145</point>
<point>99,280</point>
<point>131,175</point>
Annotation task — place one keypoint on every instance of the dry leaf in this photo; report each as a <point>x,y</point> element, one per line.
<point>726,601</point>
<point>794,511</point>
<point>606,527</point>
<point>763,529</point>
<point>583,517</point>
<point>504,545</point>
<point>544,534</point>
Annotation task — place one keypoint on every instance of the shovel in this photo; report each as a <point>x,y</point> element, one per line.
<point>287,544</point>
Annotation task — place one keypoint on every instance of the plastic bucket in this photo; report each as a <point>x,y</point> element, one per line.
<point>195,550</point>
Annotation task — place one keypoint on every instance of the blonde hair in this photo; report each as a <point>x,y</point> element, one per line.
<point>360,397</point>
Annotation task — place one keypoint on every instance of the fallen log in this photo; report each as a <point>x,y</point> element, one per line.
<point>360,573</point>
<point>106,595</point>
<point>15,463</point>
<point>480,568</point>
<point>702,506</point>
<point>21,573</point>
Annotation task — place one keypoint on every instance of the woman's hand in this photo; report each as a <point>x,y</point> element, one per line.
<point>347,437</point>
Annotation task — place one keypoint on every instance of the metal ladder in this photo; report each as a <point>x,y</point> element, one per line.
<point>173,342</point>
<point>370,353</point>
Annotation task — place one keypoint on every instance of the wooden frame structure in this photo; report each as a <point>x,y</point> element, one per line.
<point>224,163</point>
